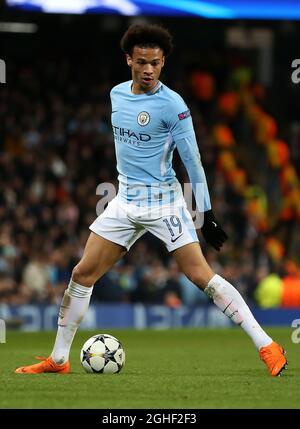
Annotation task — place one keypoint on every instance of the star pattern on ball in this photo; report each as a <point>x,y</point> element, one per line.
<point>86,355</point>
<point>111,353</point>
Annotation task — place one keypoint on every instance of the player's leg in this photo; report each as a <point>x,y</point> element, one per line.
<point>193,264</point>
<point>99,256</point>
<point>177,231</point>
<point>112,235</point>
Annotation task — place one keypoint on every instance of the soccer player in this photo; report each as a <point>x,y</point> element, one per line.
<point>149,120</point>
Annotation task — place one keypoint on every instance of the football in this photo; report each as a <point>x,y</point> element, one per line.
<point>102,354</point>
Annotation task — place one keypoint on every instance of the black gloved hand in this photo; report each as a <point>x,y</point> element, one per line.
<point>212,232</point>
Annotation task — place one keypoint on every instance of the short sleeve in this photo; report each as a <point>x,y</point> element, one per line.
<point>178,119</point>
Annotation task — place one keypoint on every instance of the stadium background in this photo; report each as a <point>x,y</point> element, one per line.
<point>56,146</point>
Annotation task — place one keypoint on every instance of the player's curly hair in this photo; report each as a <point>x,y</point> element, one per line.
<point>147,35</point>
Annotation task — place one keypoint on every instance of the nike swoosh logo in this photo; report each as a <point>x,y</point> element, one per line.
<point>114,111</point>
<point>174,239</point>
<point>214,224</point>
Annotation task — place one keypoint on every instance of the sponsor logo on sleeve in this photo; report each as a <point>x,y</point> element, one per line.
<point>184,115</point>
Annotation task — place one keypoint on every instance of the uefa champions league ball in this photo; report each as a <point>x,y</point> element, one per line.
<point>102,354</point>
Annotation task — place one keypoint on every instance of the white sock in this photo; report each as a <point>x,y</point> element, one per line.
<point>73,307</point>
<point>231,303</point>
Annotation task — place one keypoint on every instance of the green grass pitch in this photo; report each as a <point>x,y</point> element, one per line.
<point>178,368</point>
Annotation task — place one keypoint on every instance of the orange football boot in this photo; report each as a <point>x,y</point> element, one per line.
<point>273,357</point>
<point>47,365</point>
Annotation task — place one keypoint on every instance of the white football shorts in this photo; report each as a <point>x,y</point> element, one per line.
<point>124,223</point>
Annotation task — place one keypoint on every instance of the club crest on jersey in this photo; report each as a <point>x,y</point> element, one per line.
<point>143,118</point>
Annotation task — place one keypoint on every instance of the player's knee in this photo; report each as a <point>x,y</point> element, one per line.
<point>83,276</point>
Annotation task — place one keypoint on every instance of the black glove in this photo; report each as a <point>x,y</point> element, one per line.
<point>212,232</point>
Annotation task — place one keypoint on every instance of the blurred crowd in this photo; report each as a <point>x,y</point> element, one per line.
<point>57,146</point>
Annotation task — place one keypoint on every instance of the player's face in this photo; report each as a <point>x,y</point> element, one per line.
<point>146,65</point>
